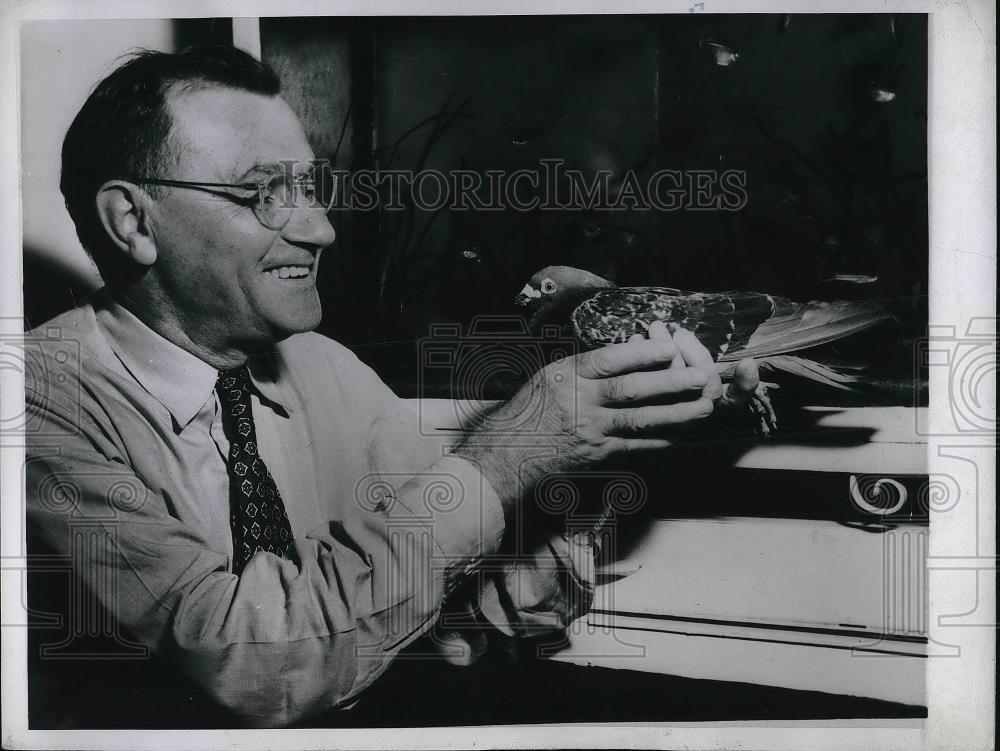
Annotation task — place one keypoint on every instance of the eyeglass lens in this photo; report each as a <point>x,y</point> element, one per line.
<point>284,192</point>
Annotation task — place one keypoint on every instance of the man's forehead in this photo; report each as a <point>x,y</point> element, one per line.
<point>231,133</point>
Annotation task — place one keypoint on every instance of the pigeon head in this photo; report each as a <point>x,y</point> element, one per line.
<point>555,288</point>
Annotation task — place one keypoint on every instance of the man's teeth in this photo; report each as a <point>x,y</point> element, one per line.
<point>289,272</point>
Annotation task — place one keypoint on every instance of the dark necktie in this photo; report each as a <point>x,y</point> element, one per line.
<point>256,513</point>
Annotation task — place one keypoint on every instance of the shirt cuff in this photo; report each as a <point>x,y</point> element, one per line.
<point>462,511</point>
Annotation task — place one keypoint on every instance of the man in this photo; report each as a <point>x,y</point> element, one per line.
<point>245,499</point>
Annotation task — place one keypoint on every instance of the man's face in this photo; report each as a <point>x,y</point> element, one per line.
<point>217,266</point>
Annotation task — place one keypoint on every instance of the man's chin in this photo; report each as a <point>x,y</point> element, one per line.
<point>288,322</point>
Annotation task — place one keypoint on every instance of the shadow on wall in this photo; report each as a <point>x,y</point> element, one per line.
<point>66,58</point>
<point>52,286</point>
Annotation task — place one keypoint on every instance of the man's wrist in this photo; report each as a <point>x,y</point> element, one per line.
<point>496,465</point>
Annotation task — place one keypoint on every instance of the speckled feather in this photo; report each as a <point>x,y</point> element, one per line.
<point>731,325</point>
<point>721,321</point>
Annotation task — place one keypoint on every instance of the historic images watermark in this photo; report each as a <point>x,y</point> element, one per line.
<point>473,360</point>
<point>550,186</point>
<point>968,361</point>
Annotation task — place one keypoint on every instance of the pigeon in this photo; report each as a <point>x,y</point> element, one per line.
<point>732,325</point>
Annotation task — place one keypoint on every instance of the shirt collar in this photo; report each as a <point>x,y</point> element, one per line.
<point>266,377</point>
<point>179,380</point>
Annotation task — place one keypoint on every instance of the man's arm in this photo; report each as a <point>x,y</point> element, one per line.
<point>584,410</point>
<point>578,413</point>
<point>292,637</point>
<point>288,637</point>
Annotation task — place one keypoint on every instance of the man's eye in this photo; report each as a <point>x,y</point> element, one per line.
<point>278,190</point>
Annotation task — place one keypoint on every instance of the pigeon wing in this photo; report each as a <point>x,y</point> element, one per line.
<point>796,326</point>
<point>722,321</point>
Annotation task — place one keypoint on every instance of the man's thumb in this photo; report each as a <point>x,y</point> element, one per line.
<point>746,378</point>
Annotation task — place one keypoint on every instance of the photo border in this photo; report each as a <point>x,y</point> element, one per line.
<point>962,274</point>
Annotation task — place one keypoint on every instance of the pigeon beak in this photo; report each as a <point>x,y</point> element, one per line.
<point>526,295</point>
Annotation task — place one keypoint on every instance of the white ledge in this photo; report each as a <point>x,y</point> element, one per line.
<point>892,440</point>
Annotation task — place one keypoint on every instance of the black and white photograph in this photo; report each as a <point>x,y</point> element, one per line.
<point>448,377</point>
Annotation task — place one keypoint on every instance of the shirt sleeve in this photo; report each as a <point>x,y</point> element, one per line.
<point>544,587</point>
<point>288,637</point>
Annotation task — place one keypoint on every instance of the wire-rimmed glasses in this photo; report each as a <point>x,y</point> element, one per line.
<point>273,200</point>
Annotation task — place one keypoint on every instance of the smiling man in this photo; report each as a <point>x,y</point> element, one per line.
<point>245,504</point>
<point>254,271</point>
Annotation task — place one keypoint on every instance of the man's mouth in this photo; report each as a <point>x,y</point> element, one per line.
<point>289,272</point>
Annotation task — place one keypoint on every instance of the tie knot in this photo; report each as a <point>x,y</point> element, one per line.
<point>233,385</point>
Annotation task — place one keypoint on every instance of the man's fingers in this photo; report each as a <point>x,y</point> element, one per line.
<point>630,445</point>
<point>655,420</point>
<point>696,356</point>
<point>658,330</point>
<point>746,378</point>
<point>693,351</point>
<point>638,387</point>
<point>616,359</point>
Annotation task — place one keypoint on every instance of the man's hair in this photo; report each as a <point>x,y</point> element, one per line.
<point>124,126</point>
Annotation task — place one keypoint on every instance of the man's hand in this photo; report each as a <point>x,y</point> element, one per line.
<point>584,410</point>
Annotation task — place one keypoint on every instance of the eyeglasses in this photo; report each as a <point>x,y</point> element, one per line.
<point>273,200</point>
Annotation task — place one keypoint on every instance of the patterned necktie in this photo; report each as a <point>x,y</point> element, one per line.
<point>257,515</point>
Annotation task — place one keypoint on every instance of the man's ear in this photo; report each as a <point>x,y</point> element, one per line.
<point>121,207</point>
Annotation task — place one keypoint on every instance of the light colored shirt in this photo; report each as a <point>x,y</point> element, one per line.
<point>127,474</point>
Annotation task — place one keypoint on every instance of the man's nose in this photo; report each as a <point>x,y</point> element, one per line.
<point>309,226</point>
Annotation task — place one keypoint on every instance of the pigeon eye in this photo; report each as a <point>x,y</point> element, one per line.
<point>548,286</point>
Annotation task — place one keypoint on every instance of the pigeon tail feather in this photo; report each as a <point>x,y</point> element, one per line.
<point>796,326</point>
<point>811,370</point>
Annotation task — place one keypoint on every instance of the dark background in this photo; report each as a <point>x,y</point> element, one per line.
<point>836,181</point>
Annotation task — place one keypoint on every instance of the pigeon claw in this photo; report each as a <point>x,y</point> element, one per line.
<point>766,421</point>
